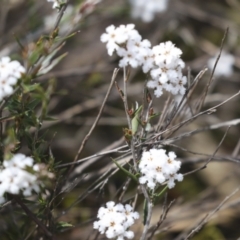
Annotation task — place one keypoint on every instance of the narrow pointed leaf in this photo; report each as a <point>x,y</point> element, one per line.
<point>125,171</point>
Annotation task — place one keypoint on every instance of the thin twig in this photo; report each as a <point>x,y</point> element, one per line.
<point>236,149</point>
<point>116,150</point>
<point>209,215</point>
<point>125,187</point>
<point>164,113</point>
<point>98,116</point>
<point>79,170</point>
<point>190,160</point>
<point>149,213</point>
<point>187,95</point>
<point>125,101</point>
<point>162,218</point>
<point>233,122</point>
<point>212,73</point>
<point>32,216</point>
<point>207,162</point>
<point>132,147</point>
<point>60,15</point>
<point>208,111</point>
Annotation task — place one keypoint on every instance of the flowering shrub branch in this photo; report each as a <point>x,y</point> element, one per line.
<point>125,183</point>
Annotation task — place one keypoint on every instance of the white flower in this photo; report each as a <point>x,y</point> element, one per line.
<point>147,9</point>
<point>158,87</point>
<point>128,58</point>
<point>130,216</point>
<point>112,37</point>
<point>167,70</point>
<point>147,60</point>
<point>166,52</point>
<point>14,177</point>
<point>56,3</point>
<point>139,47</point>
<point>10,72</point>
<point>163,61</point>
<point>164,73</point>
<point>128,33</point>
<point>19,160</point>
<point>224,66</point>
<point>172,177</point>
<point>118,36</point>
<point>114,220</point>
<point>10,68</point>
<point>157,167</point>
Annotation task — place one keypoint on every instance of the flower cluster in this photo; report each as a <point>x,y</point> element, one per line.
<point>147,9</point>
<point>10,72</point>
<point>114,220</point>
<point>167,72</point>
<point>15,178</point>
<point>162,61</point>
<point>158,167</point>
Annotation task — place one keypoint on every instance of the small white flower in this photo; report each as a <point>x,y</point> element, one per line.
<point>128,58</point>
<point>157,167</point>
<point>147,9</point>
<point>14,177</point>
<point>114,37</point>
<point>163,61</point>
<point>167,70</point>
<point>172,177</point>
<point>130,216</point>
<point>111,35</point>
<point>10,72</point>
<point>166,52</point>
<point>147,60</point>
<point>114,220</point>
<point>56,3</point>
<point>128,32</point>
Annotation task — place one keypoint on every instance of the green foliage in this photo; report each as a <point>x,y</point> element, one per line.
<point>129,174</point>
<point>63,226</point>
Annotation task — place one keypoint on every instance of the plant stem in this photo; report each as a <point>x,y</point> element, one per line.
<point>32,216</point>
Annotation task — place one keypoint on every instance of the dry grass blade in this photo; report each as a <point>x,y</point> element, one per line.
<point>208,111</point>
<point>162,217</point>
<point>98,116</point>
<point>205,92</point>
<point>209,216</point>
<point>207,162</point>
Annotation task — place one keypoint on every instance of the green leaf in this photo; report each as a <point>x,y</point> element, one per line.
<point>30,88</point>
<point>156,196</point>
<point>33,104</point>
<point>135,120</point>
<point>48,63</point>
<point>125,171</point>
<point>154,115</point>
<point>33,57</point>
<point>49,118</point>
<point>62,225</point>
<point>163,190</point>
<point>65,38</point>
<point>135,124</point>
